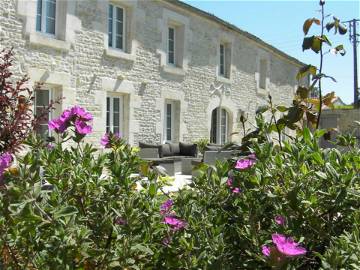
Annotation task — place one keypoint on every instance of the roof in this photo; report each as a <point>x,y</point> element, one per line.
<point>235,28</point>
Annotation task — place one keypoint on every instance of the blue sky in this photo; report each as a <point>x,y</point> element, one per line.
<point>280,24</point>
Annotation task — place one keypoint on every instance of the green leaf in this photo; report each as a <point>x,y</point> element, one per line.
<point>307,43</point>
<point>305,70</point>
<point>152,189</point>
<point>143,249</point>
<point>282,108</point>
<point>339,49</point>
<point>321,175</point>
<point>342,29</point>
<point>65,211</point>
<point>329,26</point>
<point>326,40</point>
<point>302,92</point>
<point>308,23</point>
<point>316,44</point>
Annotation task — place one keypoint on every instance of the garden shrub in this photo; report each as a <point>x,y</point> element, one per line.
<point>295,208</point>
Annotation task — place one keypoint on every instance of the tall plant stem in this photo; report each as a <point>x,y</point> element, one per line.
<point>321,65</point>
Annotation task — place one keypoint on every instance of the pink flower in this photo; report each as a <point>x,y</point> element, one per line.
<point>120,221</point>
<point>236,190</point>
<point>5,162</point>
<point>82,128</point>
<point>229,182</point>
<point>287,246</point>
<point>66,115</point>
<point>175,223</point>
<point>166,241</point>
<point>58,125</point>
<point>105,141</point>
<point>265,250</point>
<point>280,220</point>
<point>81,113</point>
<point>245,163</point>
<point>76,116</point>
<point>166,206</point>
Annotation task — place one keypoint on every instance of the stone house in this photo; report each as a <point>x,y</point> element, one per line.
<point>154,70</point>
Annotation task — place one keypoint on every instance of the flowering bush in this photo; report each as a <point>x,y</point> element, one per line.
<point>290,208</point>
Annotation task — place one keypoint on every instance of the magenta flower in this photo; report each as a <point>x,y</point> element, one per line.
<point>66,115</point>
<point>166,241</point>
<point>265,250</point>
<point>58,125</point>
<point>245,163</point>
<point>81,113</point>
<point>120,221</point>
<point>229,182</point>
<point>5,162</point>
<point>175,223</point>
<point>82,128</point>
<point>280,220</point>
<point>77,116</point>
<point>287,246</point>
<point>166,207</point>
<point>105,141</point>
<point>236,190</point>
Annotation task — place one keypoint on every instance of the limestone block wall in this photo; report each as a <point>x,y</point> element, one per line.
<point>77,64</point>
<point>341,120</point>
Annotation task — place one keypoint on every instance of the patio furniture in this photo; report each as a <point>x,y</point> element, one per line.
<point>174,157</point>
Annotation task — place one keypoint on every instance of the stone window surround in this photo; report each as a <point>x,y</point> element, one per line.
<point>121,98</point>
<point>229,106</point>
<point>126,89</point>
<point>181,25</point>
<point>59,83</point>
<point>129,51</point>
<point>218,126</point>
<point>175,120</point>
<point>262,56</point>
<point>228,40</point>
<point>66,24</point>
<point>176,97</point>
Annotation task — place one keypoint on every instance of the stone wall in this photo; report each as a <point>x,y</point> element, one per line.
<point>342,121</point>
<point>80,67</point>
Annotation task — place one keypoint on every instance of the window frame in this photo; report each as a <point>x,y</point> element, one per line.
<point>223,74</point>
<point>43,17</point>
<point>219,134</point>
<point>263,69</point>
<point>172,121</point>
<point>110,127</point>
<point>114,27</point>
<point>174,46</point>
<point>50,114</point>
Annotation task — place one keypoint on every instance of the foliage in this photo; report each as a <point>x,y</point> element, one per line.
<point>311,108</point>
<point>91,213</point>
<point>16,103</point>
<point>201,144</point>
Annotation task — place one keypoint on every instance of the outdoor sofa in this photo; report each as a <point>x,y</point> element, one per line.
<point>174,157</point>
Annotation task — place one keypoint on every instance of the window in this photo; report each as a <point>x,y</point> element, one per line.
<point>219,126</point>
<point>263,71</point>
<point>169,121</point>
<point>46,16</point>
<point>224,60</point>
<point>114,114</point>
<point>116,27</point>
<point>171,46</point>
<point>42,100</point>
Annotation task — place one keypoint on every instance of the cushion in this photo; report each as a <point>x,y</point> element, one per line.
<point>210,147</point>
<point>146,145</point>
<point>188,149</point>
<point>175,148</point>
<point>166,150</point>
